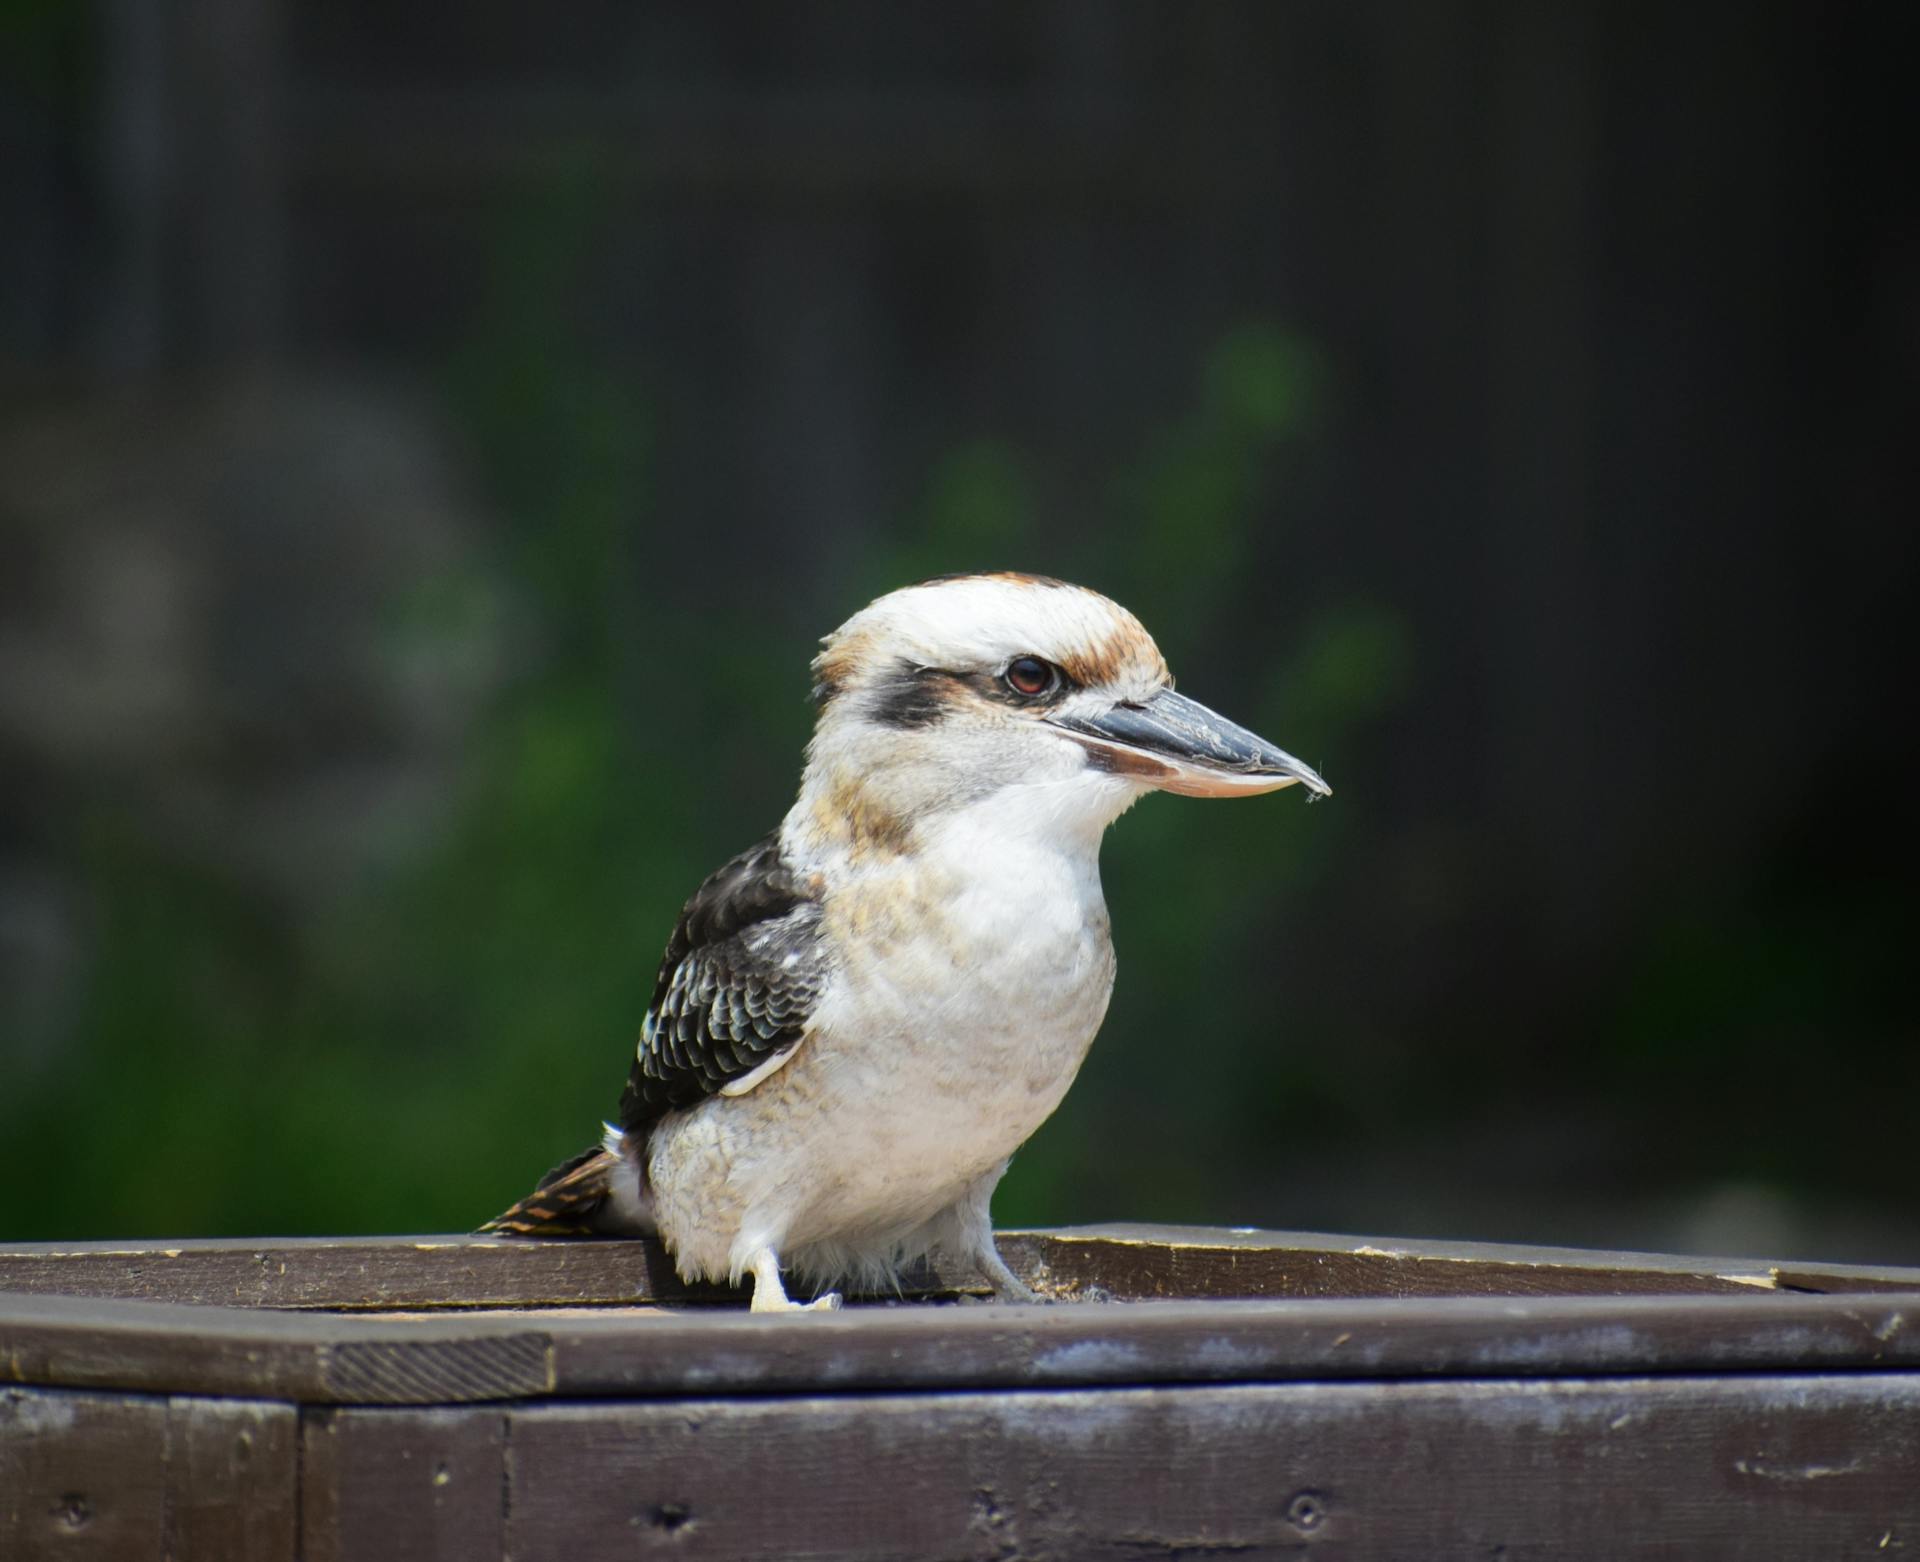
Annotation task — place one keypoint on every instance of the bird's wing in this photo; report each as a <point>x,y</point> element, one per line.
<point>741,974</point>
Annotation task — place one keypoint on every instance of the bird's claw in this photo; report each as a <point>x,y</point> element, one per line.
<point>779,1302</point>
<point>1023,1294</point>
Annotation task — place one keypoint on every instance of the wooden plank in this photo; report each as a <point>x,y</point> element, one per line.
<point>1701,1468</point>
<point>426,1485</point>
<point>377,1273</point>
<point>134,1477</point>
<point>466,1358</point>
<point>1127,1263</point>
<point>1228,1342</point>
<point>301,1358</point>
<point>232,1479</point>
<point>82,1475</point>
<point>1137,1263</point>
<point>1827,1282</point>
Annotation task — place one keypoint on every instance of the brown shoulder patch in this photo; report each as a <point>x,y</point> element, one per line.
<point>850,812</point>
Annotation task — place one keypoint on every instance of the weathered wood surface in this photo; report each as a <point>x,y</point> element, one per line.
<point>156,1347</point>
<point>1126,1263</point>
<point>126,1476</point>
<point>159,1347</point>
<point>1137,1263</point>
<point>1376,1399</point>
<point>1687,1467</point>
<point>423,1485</point>
<point>377,1274</point>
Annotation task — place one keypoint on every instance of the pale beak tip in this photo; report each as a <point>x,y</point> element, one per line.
<point>1306,776</point>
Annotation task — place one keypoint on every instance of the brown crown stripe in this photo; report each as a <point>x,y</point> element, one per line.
<point>1125,648</point>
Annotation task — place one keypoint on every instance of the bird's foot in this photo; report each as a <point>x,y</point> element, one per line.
<point>779,1302</point>
<point>770,1296</point>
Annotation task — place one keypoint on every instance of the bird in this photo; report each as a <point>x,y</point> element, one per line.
<point>860,1019</point>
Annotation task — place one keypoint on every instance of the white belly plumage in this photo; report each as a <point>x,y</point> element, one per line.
<point>948,1034</point>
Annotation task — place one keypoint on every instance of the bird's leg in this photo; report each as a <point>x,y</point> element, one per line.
<point>1007,1286</point>
<point>770,1296</point>
<point>966,1232</point>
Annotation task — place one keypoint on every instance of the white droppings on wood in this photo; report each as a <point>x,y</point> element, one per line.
<point>1768,1470</point>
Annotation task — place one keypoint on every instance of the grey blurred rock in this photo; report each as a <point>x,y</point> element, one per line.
<point>256,617</point>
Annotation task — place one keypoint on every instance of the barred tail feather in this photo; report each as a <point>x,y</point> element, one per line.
<point>596,1193</point>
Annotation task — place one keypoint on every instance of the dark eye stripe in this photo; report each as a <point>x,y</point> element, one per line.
<point>916,696</point>
<point>911,697</point>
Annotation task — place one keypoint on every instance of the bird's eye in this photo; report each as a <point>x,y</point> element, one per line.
<point>1030,676</point>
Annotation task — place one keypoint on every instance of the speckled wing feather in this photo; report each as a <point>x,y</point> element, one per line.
<point>741,974</point>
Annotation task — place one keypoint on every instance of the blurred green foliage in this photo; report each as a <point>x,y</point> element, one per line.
<point>414,1052</point>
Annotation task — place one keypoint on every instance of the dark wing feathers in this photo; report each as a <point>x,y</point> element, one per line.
<point>741,974</point>
<point>740,977</point>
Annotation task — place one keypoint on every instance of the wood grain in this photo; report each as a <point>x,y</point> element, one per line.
<point>1136,1263</point>
<point>1699,1468</point>
<point>153,1347</point>
<point>232,1479</point>
<point>1255,1394</point>
<point>1126,1263</point>
<point>138,1479</point>
<point>82,1475</point>
<point>343,1273</point>
<point>1075,1345</point>
<point>156,1347</point>
<point>426,1485</point>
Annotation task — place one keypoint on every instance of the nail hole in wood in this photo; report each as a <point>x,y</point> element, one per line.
<point>1308,1510</point>
<point>671,1517</point>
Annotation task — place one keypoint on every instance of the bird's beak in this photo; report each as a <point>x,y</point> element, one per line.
<point>1178,745</point>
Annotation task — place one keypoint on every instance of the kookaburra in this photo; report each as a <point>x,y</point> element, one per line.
<point>860,1019</point>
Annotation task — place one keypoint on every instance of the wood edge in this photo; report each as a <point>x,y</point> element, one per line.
<point>1126,1262</point>
<point>163,1348</point>
<point>1435,1262</point>
<point>1253,1239</point>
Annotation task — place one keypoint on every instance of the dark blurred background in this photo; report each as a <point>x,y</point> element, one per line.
<point>431,442</point>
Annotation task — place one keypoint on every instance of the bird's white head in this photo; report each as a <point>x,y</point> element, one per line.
<point>1047,698</point>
